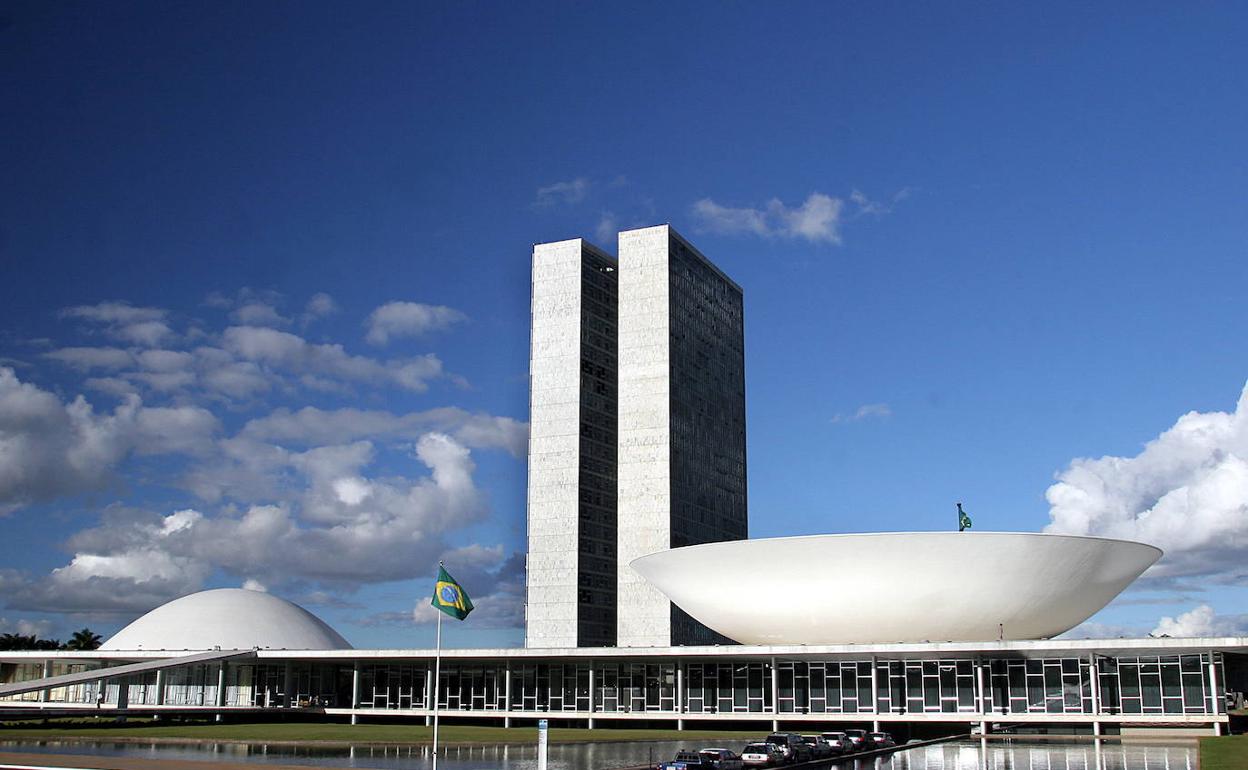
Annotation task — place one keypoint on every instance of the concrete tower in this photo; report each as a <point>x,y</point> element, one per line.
<point>681,472</point>
<point>571,570</point>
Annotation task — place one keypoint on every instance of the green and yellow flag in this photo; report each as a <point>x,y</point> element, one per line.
<point>449,596</point>
<point>964,521</point>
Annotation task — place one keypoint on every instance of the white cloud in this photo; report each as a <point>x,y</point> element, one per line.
<point>573,191</point>
<point>24,627</point>
<point>121,313</point>
<point>258,314</point>
<point>49,449</point>
<point>864,412</point>
<point>309,426</point>
<point>1185,492</point>
<point>320,305</point>
<point>607,229</point>
<point>283,351</point>
<point>144,326</point>
<point>134,560</point>
<point>1202,621</point>
<point>409,319</point>
<point>817,219</point>
<point>254,585</point>
<point>86,359</point>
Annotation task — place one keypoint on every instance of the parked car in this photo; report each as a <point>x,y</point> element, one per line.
<point>762,755</point>
<point>882,740</point>
<point>818,749</point>
<point>840,742</point>
<point>721,759</point>
<point>860,740</point>
<point>685,760</point>
<point>795,750</point>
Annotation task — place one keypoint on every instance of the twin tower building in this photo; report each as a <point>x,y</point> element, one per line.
<point>636,437</point>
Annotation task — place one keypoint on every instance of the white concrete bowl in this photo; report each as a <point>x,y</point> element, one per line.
<point>896,586</point>
<point>229,618</point>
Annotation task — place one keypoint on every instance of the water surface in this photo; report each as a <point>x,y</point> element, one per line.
<point>960,755</point>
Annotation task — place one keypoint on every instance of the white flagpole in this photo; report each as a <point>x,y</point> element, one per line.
<point>437,675</point>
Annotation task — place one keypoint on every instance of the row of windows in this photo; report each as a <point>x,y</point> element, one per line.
<point>1162,685</point>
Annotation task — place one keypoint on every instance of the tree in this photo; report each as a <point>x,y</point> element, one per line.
<point>27,642</point>
<point>86,639</point>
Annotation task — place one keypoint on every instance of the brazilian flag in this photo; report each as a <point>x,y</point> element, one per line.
<point>964,521</point>
<point>449,596</point>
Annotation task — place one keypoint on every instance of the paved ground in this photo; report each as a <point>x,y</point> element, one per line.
<point>85,762</point>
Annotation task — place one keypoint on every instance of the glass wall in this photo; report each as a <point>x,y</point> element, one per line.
<point>1173,684</point>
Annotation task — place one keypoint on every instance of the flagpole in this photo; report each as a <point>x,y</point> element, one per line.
<point>437,675</point>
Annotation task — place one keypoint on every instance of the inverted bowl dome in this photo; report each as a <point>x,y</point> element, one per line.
<point>229,618</point>
<point>896,586</point>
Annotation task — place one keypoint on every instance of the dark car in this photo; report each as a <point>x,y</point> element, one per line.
<point>721,759</point>
<point>818,748</point>
<point>686,760</point>
<point>861,740</point>
<point>795,750</point>
<point>882,740</point>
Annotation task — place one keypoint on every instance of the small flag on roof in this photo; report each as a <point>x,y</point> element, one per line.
<point>964,521</point>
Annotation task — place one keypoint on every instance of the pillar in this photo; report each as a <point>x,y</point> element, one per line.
<point>1095,683</point>
<point>775,697</point>
<point>981,701</point>
<point>221,690</point>
<point>430,692</point>
<point>875,695</point>
<point>1214,694</point>
<point>46,695</point>
<point>288,686</point>
<point>160,691</point>
<point>680,688</point>
<point>355,693</point>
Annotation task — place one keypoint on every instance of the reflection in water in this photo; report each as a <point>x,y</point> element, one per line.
<point>584,756</point>
<point>984,754</point>
<point>981,754</point>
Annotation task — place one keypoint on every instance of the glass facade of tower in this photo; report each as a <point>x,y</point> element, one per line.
<point>596,507</point>
<point>707,364</point>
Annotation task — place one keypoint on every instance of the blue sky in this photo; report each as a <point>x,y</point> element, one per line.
<point>264,308</point>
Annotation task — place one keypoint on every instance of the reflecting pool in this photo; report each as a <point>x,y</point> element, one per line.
<point>978,754</point>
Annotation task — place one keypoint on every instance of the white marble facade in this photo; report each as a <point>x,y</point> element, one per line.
<point>554,445</point>
<point>644,470</point>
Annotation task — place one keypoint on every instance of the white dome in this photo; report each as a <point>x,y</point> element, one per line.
<point>896,586</point>
<point>229,618</point>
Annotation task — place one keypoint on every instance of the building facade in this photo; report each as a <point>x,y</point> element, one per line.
<point>571,569</point>
<point>1108,686</point>
<point>637,433</point>
<point>681,421</point>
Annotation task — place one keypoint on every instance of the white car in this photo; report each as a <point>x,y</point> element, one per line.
<point>761,755</point>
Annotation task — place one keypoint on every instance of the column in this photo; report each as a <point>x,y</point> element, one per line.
<point>160,691</point>
<point>288,684</point>
<point>1214,692</point>
<point>680,694</point>
<point>221,690</point>
<point>775,698</point>
<point>591,694</point>
<point>507,693</point>
<point>355,693</point>
<point>875,695</point>
<point>430,692</point>
<point>46,695</point>
<point>1095,683</point>
<point>981,700</point>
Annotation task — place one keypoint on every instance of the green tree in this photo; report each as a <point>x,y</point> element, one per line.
<point>86,639</point>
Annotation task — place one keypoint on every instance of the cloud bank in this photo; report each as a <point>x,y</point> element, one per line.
<point>1186,492</point>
